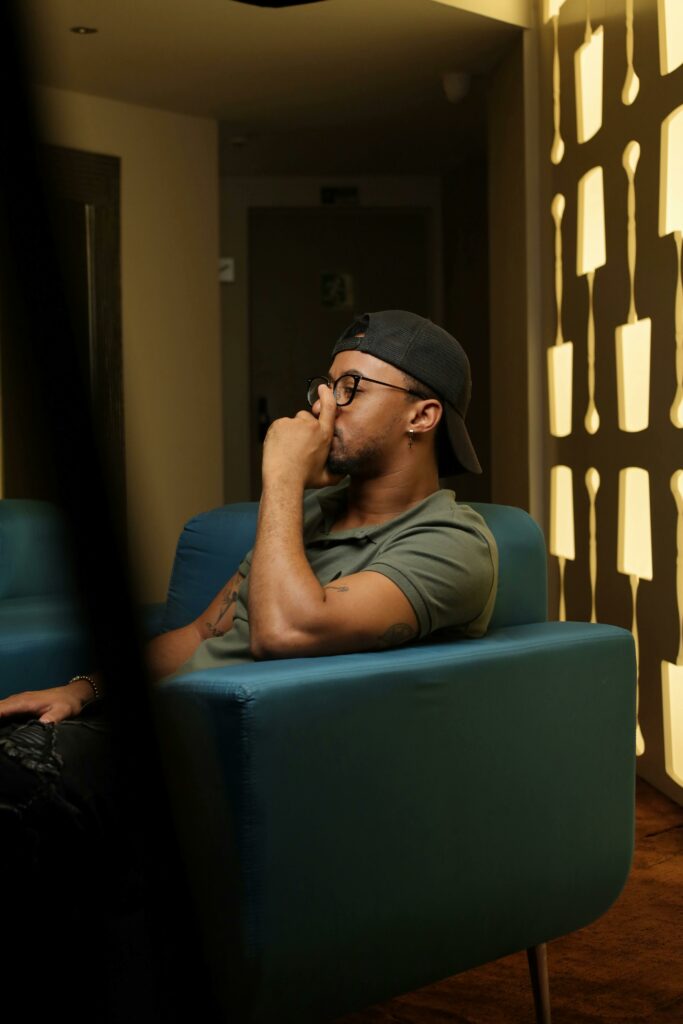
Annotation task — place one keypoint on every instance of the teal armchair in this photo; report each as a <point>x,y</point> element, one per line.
<point>361,825</point>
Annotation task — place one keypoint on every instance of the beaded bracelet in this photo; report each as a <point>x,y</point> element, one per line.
<point>75,679</point>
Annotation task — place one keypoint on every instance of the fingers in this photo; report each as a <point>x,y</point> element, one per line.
<point>328,409</point>
<point>21,704</point>
<point>47,705</point>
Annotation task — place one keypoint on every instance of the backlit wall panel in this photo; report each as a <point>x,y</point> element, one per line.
<point>612,195</point>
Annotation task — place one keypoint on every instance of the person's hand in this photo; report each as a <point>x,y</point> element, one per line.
<point>52,705</point>
<point>296,449</point>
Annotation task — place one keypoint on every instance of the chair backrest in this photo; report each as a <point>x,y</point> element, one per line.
<point>212,545</point>
<point>209,551</point>
<point>522,573</point>
<point>34,554</point>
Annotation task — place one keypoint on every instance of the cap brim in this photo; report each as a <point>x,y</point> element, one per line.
<point>456,453</point>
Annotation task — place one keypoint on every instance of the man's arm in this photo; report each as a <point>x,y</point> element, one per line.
<point>164,655</point>
<point>290,613</point>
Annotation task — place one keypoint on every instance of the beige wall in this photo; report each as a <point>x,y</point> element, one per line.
<point>170,312</point>
<point>238,195</point>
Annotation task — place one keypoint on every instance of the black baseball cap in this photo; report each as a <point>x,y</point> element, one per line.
<point>431,355</point>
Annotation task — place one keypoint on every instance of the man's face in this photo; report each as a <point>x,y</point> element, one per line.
<point>369,430</point>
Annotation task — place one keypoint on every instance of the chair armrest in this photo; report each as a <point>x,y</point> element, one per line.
<point>362,825</point>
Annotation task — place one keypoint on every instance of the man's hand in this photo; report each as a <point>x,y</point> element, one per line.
<point>296,450</point>
<point>53,705</point>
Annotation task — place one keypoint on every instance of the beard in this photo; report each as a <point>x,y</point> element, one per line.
<point>361,463</point>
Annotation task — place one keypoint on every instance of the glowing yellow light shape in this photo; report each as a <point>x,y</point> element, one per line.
<point>591,247</point>
<point>562,523</point>
<point>672,675</point>
<point>591,254</point>
<point>631,82</point>
<point>632,339</point>
<point>561,354</point>
<point>551,10</point>
<point>671,220</point>
<point>588,61</point>
<point>671,173</point>
<point>670,19</point>
<point>633,374</point>
<point>592,480</point>
<point>634,548</point>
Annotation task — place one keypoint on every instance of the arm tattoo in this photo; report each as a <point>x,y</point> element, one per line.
<point>398,634</point>
<point>229,596</point>
<point>342,590</point>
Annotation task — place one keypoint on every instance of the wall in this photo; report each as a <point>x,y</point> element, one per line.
<point>170,311</point>
<point>237,196</point>
<point>510,414</point>
<point>466,302</point>
<point>658,448</point>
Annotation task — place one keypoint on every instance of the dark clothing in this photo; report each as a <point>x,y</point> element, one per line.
<point>94,910</point>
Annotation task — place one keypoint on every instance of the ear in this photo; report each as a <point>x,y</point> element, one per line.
<point>426,415</point>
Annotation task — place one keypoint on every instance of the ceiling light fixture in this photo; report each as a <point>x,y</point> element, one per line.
<point>83,30</point>
<point>277,3</point>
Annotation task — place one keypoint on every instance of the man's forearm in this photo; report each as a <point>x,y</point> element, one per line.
<point>166,653</point>
<point>284,594</point>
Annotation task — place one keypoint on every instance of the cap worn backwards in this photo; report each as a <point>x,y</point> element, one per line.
<point>432,356</point>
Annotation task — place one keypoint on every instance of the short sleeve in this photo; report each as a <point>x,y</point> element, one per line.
<point>447,572</point>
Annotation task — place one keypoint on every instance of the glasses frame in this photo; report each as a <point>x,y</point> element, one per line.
<point>357,378</point>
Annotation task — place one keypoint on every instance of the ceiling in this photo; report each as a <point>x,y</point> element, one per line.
<point>343,86</point>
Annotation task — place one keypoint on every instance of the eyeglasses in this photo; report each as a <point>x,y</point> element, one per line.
<point>344,388</point>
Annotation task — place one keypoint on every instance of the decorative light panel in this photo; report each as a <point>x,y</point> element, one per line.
<point>562,523</point>
<point>551,12</point>
<point>634,547</point>
<point>561,354</point>
<point>590,255</point>
<point>633,338</point>
<point>588,61</point>
<point>671,222</point>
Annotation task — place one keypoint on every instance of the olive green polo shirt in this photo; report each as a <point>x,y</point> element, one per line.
<point>440,554</point>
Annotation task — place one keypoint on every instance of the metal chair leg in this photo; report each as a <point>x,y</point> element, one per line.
<point>538,971</point>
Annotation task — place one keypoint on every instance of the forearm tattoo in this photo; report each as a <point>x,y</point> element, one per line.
<point>229,597</point>
<point>398,634</point>
<point>331,586</point>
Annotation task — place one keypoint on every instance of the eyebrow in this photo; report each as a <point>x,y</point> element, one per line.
<point>358,372</point>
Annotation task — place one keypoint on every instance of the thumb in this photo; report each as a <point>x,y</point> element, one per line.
<point>54,713</point>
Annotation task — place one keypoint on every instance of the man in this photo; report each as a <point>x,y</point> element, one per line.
<point>380,559</point>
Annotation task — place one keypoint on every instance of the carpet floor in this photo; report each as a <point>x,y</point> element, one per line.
<point>625,968</point>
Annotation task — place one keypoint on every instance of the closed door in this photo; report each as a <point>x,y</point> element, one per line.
<point>310,272</point>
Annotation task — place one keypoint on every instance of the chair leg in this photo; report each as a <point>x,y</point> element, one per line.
<point>538,971</point>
